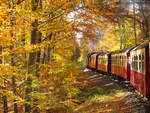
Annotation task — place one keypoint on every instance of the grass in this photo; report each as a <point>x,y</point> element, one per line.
<point>96,92</point>
<point>100,100</point>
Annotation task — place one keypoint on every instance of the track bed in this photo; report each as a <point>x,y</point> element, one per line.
<point>107,94</point>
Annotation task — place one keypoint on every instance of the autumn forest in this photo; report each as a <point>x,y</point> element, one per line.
<point>44,44</point>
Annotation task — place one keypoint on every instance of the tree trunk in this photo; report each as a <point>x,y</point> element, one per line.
<point>4,98</point>
<point>32,58</point>
<point>31,68</point>
<point>38,53</point>
<point>12,23</point>
<point>47,51</point>
<point>5,105</point>
<point>14,84</point>
<point>14,91</point>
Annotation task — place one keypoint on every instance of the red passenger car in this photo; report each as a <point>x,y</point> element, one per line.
<point>89,59</point>
<point>119,63</point>
<point>92,62</point>
<point>140,71</point>
<point>104,62</point>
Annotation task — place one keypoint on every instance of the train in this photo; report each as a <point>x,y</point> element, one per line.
<point>131,64</point>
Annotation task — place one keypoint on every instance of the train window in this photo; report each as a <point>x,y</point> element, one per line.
<point>135,63</point>
<point>140,66</point>
<point>98,60</point>
<point>140,63</point>
<point>105,60</point>
<point>140,57</point>
<point>132,62</point>
<point>124,60</point>
<point>117,60</point>
<point>93,60</point>
<point>135,57</point>
<point>143,64</point>
<point>89,59</point>
<point>113,60</point>
<point>120,60</point>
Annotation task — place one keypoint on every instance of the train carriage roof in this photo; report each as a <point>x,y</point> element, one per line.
<point>122,51</point>
<point>98,53</point>
<point>89,54</point>
<point>94,54</point>
<point>104,53</point>
<point>141,46</point>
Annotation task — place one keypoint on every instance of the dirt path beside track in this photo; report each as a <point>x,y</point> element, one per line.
<point>104,94</point>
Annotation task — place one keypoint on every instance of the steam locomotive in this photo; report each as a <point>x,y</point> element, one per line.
<point>132,64</point>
